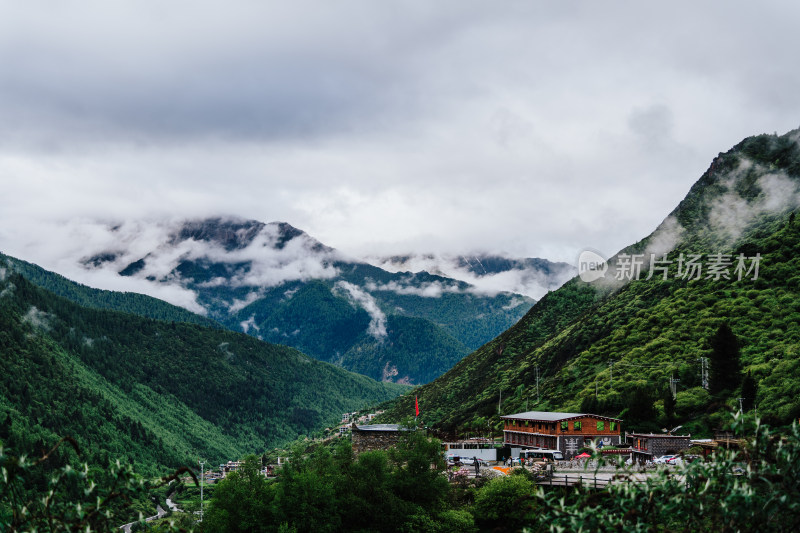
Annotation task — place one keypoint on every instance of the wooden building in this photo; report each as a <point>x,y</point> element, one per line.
<point>566,432</point>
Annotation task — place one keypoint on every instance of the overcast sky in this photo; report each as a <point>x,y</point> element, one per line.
<point>528,128</point>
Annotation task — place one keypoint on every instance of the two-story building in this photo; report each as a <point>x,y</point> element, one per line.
<point>566,432</point>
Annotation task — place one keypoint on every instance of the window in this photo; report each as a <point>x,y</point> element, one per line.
<point>564,425</point>
<point>612,426</point>
<point>577,425</point>
<point>601,425</point>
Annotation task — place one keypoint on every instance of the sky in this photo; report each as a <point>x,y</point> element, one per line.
<point>531,129</point>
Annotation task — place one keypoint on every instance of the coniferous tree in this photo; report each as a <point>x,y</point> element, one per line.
<point>725,363</point>
<point>669,407</point>
<point>749,392</point>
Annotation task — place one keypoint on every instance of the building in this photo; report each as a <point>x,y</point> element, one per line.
<point>566,432</point>
<point>647,446</point>
<point>375,436</point>
<point>480,448</point>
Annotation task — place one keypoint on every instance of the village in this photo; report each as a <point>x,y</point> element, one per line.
<point>559,448</point>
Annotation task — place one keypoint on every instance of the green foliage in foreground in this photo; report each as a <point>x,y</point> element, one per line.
<point>755,490</point>
<point>405,489</point>
<point>44,494</point>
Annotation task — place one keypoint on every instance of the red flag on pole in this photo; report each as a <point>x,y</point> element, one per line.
<point>416,405</point>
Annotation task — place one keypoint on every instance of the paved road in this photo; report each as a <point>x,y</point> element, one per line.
<point>160,513</point>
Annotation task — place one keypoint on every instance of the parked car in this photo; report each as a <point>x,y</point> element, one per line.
<point>663,459</point>
<point>453,460</point>
<point>677,460</point>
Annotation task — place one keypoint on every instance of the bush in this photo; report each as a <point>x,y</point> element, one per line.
<point>505,502</point>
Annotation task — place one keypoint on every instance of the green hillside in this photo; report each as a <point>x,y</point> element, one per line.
<point>654,330</point>
<point>155,393</point>
<point>126,302</point>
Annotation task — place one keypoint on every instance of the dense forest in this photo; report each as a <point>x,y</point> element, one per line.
<point>126,302</point>
<point>614,347</point>
<point>153,393</point>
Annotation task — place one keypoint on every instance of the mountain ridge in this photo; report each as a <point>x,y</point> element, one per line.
<point>276,282</point>
<point>642,331</point>
<point>156,392</point>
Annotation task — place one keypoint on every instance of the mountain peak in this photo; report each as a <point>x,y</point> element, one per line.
<point>230,233</point>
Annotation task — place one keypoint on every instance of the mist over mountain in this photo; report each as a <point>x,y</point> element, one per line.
<point>277,283</point>
<point>726,259</point>
<point>532,277</point>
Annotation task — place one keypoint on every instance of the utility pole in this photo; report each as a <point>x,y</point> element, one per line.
<point>673,386</point>
<point>740,404</point>
<point>704,372</point>
<point>500,402</point>
<point>537,385</point>
<point>202,463</point>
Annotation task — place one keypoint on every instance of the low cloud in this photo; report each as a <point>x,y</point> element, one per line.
<point>377,324</point>
<point>93,252</point>
<point>249,324</point>
<point>469,270</point>
<point>238,305</point>
<point>731,213</point>
<point>432,289</point>
<point>37,318</point>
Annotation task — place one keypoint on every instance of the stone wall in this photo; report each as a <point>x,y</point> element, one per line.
<point>373,440</point>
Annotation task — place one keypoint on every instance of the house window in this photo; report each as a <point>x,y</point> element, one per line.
<point>601,425</point>
<point>564,425</point>
<point>613,426</point>
<point>577,425</point>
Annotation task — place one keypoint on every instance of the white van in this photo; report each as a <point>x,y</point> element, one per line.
<point>540,454</point>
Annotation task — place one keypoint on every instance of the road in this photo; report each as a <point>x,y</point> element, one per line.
<point>160,513</point>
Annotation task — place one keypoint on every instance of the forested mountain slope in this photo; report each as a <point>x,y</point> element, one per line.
<point>277,283</point>
<point>612,345</point>
<point>155,393</point>
<point>126,302</point>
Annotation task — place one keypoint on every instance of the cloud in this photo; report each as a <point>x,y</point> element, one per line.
<point>249,324</point>
<point>731,213</point>
<point>534,130</point>
<point>377,323</point>
<point>431,289</point>
<point>528,281</point>
<point>37,318</point>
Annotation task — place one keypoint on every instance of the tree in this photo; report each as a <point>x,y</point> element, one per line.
<point>242,501</point>
<point>669,407</point>
<point>724,362</point>
<point>419,464</point>
<point>749,392</point>
<point>505,502</point>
